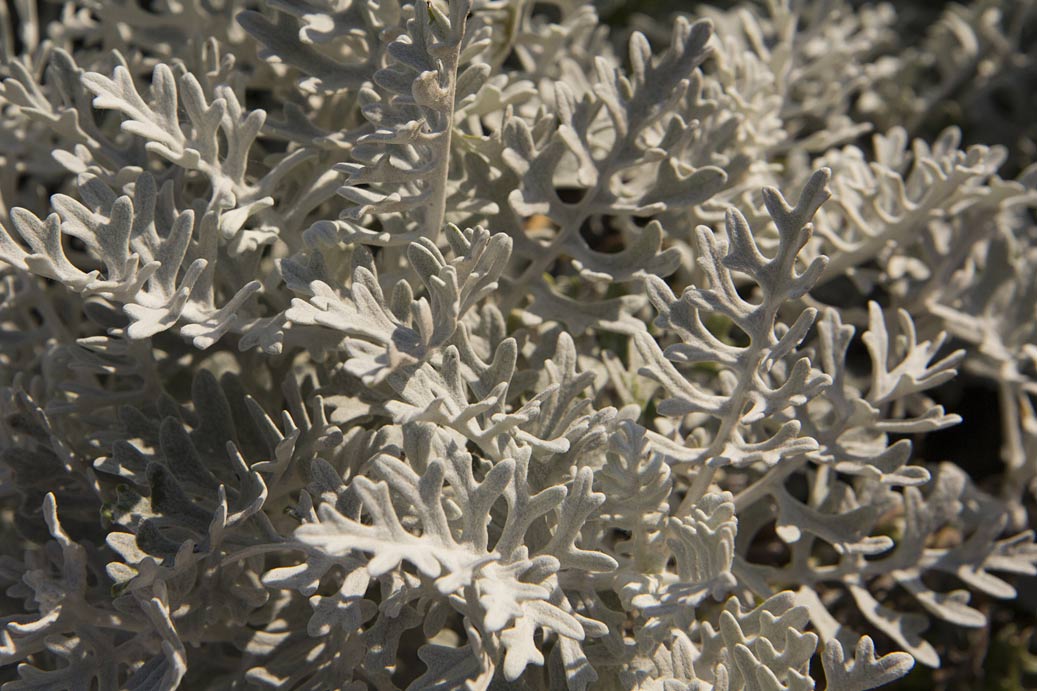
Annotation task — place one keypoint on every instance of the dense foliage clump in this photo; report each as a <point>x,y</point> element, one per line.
<point>469,343</point>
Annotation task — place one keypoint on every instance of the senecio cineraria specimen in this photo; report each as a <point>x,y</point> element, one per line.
<point>459,344</point>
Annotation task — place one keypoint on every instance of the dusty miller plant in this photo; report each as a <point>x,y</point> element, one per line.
<point>464,344</point>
